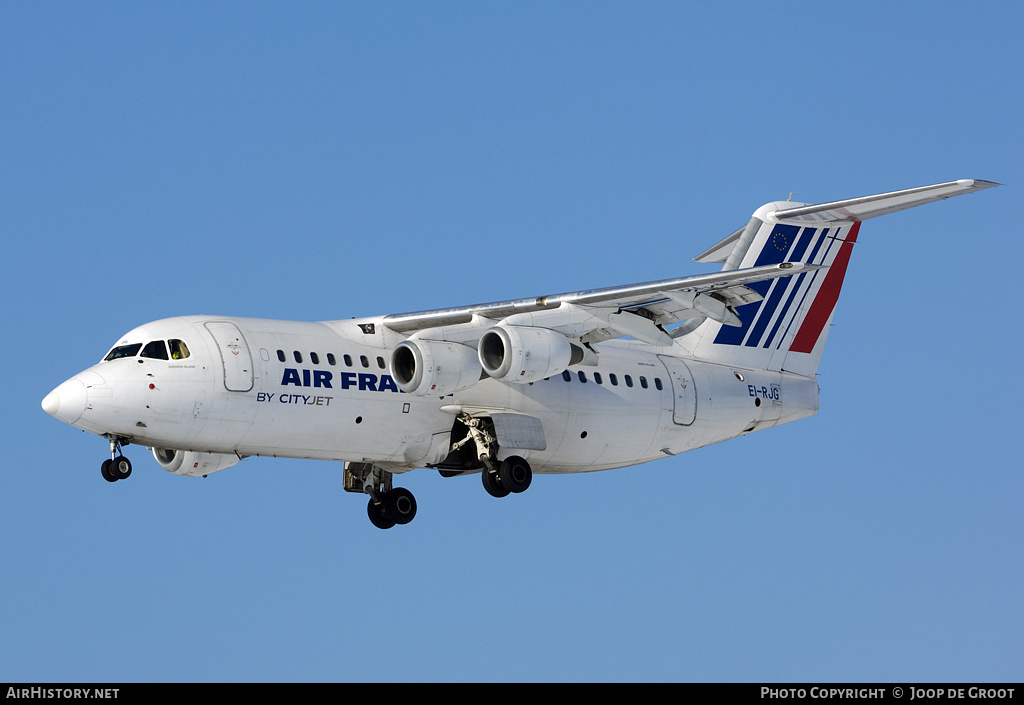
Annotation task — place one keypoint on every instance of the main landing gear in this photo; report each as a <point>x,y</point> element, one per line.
<point>513,474</point>
<point>500,478</point>
<point>118,467</point>
<point>388,505</point>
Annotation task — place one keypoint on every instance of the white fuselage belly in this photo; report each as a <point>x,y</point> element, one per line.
<point>352,411</point>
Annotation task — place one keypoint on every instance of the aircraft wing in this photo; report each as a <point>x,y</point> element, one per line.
<point>641,311</point>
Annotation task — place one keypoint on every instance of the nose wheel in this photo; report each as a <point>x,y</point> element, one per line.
<point>118,467</point>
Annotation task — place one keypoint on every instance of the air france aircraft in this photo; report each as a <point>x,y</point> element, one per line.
<point>577,382</point>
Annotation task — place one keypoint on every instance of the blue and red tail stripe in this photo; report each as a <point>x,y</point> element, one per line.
<point>784,298</point>
<point>825,302</point>
<point>774,252</point>
<point>796,290</point>
<point>778,293</point>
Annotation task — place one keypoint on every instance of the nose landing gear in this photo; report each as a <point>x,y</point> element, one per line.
<point>118,467</point>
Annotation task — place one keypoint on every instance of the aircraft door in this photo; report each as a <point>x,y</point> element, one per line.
<point>684,409</point>
<point>234,354</point>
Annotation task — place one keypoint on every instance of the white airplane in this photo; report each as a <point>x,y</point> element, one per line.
<point>591,380</point>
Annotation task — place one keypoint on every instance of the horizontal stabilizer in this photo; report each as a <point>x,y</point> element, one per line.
<point>858,209</point>
<point>718,253</point>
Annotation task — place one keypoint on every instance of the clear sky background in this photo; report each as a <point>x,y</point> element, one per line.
<point>326,160</point>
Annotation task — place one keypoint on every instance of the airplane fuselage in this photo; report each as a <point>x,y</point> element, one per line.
<point>259,387</point>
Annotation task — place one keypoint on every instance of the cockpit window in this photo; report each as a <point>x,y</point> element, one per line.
<point>124,351</point>
<point>156,350</point>
<point>179,350</point>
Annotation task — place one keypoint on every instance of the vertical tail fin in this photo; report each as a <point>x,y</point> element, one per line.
<point>787,328</point>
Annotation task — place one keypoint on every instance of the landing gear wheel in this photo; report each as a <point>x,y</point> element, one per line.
<point>378,515</point>
<point>120,468</point>
<point>388,505</point>
<point>492,483</point>
<point>400,505</point>
<point>515,474</point>
<point>105,471</point>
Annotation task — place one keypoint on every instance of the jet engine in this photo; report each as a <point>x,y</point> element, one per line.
<point>434,367</point>
<point>192,464</point>
<point>524,354</point>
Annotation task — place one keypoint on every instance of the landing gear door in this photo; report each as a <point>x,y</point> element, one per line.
<point>518,431</point>
<point>234,354</point>
<point>684,409</point>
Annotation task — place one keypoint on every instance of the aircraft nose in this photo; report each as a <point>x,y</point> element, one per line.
<point>67,402</point>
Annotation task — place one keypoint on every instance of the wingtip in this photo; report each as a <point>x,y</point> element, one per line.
<point>977,183</point>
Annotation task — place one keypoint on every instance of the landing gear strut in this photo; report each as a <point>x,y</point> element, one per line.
<point>475,447</point>
<point>388,505</point>
<point>500,478</point>
<point>118,467</point>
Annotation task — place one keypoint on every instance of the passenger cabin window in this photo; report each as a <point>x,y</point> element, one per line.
<point>348,360</point>
<point>314,358</point>
<point>566,375</point>
<point>179,351</point>
<point>629,381</point>
<point>613,379</point>
<point>380,363</point>
<point>330,359</point>
<point>156,350</point>
<point>124,351</point>
<point>281,356</point>
<point>298,356</point>
<point>643,382</point>
<point>364,361</point>
<point>657,383</point>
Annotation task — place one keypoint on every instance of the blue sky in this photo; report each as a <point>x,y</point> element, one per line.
<point>329,160</point>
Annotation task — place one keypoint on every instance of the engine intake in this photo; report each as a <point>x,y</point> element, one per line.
<point>192,464</point>
<point>523,354</point>
<point>432,367</point>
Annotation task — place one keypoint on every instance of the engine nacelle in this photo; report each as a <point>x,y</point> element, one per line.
<point>525,354</point>
<point>434,367</point>
<point>192,464</point>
